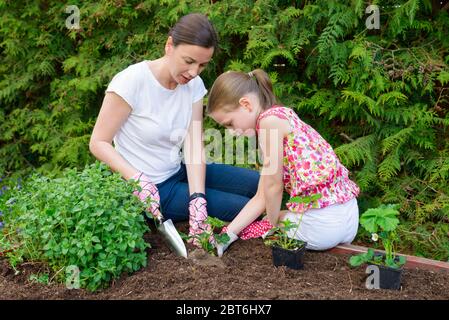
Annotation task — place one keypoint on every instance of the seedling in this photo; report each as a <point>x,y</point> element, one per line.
<point>279,235</point>
<point>280,238</point>
<point>205,237</point>
<point>381,222</point>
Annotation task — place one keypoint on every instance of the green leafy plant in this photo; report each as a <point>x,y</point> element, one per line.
<point>204,237</point>
<point>43,278</point>
<point>381,222</point>
<point>88,219</point>
<point>280,238</point>
<point>279,234</point>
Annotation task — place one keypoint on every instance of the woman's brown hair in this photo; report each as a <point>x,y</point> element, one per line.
<point>194,29</point>
<point>230,86</point>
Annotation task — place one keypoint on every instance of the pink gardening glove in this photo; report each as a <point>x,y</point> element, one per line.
<point>148,195</point>
<point>197,216</point>
<point>256,229</point>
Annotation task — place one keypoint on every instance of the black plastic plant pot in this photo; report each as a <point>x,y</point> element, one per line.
<point>389,278</point>
<point>293,259</point>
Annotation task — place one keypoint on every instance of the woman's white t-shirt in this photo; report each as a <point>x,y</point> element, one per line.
<point>152,136</point>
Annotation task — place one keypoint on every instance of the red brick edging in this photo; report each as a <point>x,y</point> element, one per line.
<point>412,261</point>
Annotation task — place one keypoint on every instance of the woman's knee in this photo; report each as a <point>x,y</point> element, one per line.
<point>224,205</point>
<point>232,179</point>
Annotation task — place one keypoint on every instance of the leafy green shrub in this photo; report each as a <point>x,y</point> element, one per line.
<point>87,219</point>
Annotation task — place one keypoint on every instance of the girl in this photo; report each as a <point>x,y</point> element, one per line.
<point>295,158</point>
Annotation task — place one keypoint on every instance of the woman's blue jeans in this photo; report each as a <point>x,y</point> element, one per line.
<point>228,189</point>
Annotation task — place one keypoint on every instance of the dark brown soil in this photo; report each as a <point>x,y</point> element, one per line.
<point>245,272</point>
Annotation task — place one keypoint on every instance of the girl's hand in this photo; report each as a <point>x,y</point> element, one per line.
<point>221,247</point>
<point>256,229</point>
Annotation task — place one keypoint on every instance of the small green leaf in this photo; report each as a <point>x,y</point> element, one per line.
<point>222,238</point>
<point>402,260</point>
<point>357,260</point>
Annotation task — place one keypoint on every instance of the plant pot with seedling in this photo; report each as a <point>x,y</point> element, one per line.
<point>382,222</point>
<point>286,249</point>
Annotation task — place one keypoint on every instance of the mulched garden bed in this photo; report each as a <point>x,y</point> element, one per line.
<point>244,272</point>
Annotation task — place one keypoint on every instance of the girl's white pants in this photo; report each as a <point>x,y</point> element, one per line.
<point>327,227</point>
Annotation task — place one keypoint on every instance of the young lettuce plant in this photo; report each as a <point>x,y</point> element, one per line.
<point>381,222</point>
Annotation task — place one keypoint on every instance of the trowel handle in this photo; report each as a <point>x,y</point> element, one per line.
<point>159,220</point>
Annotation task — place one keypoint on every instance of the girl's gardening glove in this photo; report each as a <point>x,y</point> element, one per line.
<point>256,229</point>
<point>197,216</point>
<point>221,247</point>
<point>149,193</point>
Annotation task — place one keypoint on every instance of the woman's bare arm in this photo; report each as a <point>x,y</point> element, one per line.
<point>113,113</point>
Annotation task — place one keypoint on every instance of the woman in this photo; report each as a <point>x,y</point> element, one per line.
<point>151,110</point>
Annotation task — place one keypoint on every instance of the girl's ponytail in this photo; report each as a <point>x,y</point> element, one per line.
<point>266,95</point>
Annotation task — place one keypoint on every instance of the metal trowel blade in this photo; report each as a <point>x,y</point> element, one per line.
<point>174,240</point>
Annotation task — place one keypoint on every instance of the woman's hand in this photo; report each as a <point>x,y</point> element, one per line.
<point>197,217</point>
<point>149,194</point>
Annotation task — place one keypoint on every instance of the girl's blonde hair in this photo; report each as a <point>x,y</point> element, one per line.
<point>230,86</point>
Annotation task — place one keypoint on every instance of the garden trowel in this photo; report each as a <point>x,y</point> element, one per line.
<point>171,235</point>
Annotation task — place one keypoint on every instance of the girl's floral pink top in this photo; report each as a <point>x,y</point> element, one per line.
<point>311,165</point>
